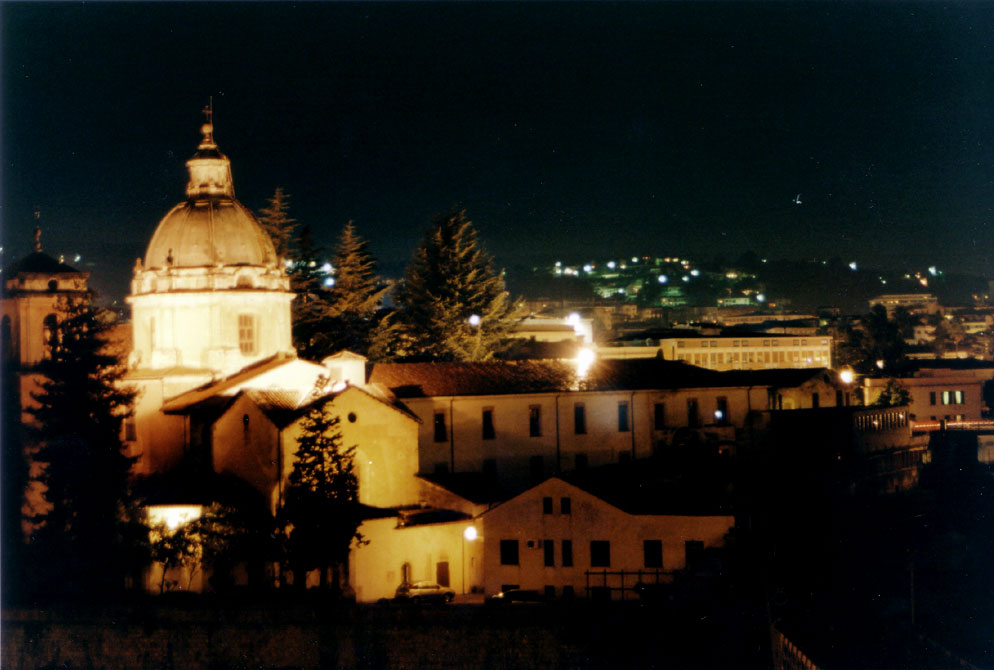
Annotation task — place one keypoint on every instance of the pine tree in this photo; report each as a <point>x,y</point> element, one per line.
<point>321,504</point>
<point>308,308</point>
<point>86,470</point>
<point>452,304</point>
<point>351,303</point>
<point>278,225</point>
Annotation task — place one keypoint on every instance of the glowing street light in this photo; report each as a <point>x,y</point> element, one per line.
<point>474,320</point>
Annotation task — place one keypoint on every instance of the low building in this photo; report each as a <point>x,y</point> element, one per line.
<point>561,540</point>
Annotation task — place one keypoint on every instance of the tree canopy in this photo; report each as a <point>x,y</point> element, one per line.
<point>276,221</point>
<point>78,419</point>
<point>452,304</point>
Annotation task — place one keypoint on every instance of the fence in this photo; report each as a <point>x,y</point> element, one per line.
<point>786,655</point>
<point>620,584</point>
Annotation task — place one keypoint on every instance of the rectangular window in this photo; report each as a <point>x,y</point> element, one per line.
<point>546,505</point>
<point>130,432</point>
<point>488,423</point>
<point>957,397</point>
<point>659,416</point>
<point>622,417</point>
<point>735,343</point>
<point>509,552</point>
<point>680,344</point>
<point>567,553</point>
<point>580,462</point>
<point>693,416</point>
<point>579,419</point>
<point>535,421</point>
<point>652,551</point>
<point>550,553</point>
<point>565,506</point>
<point>704,344</point>
<point>246,334</point>
<point>441,434</point>
<point>600,554</point>
<point>945,397</point>
<point>931,397</point>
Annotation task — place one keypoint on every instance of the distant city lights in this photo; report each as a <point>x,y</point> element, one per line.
<point>852,266</point>
<point>329,281</point>
<point>662,279</point>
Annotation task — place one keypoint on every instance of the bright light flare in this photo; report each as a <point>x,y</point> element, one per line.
<point>469,533</point>
<point>474,320</point>
<point>584,359</point>
<point>173,516</point>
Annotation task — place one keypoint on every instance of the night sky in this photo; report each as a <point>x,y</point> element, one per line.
<point>571,130</point>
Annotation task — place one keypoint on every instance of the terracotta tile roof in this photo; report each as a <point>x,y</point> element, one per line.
<point>419,380</point>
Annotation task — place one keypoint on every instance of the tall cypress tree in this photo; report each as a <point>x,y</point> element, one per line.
<point>321,503</point>
<point>278,224</point>
<point>78,419</point>
<point>452,303</point>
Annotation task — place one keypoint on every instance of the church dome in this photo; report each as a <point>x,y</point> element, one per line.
<point>211,228</point>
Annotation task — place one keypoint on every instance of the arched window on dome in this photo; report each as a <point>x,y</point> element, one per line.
<point>246,334</point>
<point>244,281</point>
<point>49,331</point>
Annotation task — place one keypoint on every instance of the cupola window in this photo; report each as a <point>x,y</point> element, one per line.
<point>246,334</point>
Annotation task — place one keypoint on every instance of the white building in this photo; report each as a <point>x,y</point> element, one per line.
<point>208,299</point>
<point>527,420</point>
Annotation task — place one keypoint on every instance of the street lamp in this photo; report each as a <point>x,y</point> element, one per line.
<point>468,535</point>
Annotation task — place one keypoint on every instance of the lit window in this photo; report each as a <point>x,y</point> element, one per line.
<point>246,334</point>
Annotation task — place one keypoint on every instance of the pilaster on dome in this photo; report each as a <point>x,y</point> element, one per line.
<point>210,170</point>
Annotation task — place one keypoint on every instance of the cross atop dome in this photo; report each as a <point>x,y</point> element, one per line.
<point>208,128</point>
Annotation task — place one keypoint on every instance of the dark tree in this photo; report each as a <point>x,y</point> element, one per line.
<point>78,418</point>
<point>13,482</point>
<point>894,394</point>
<point>874,346</point>
<point>308,308</point>
<point>452,305</point>
<point>321,504</point>
<point>277,223</point>
<point>348,308</point>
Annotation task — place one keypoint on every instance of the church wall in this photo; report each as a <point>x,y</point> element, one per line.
<point>161,437</point>
<point>201,330</point>
<point>386,460</point>
<point>244,444</point>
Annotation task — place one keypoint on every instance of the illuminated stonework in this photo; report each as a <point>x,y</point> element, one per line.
<point>210,294</point>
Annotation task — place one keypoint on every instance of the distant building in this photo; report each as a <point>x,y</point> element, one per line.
<point>915,303</point>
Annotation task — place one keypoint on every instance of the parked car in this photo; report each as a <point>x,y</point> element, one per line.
<point>424,592</point>
<point>516,596</point>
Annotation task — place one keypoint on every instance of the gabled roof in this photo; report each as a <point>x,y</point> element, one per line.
<point>422,380</point>
<point>230,385</point>
<point>283,407</point>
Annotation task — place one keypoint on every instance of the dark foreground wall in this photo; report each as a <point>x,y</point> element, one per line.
<point>166,640</point>
<point>380,637</point>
